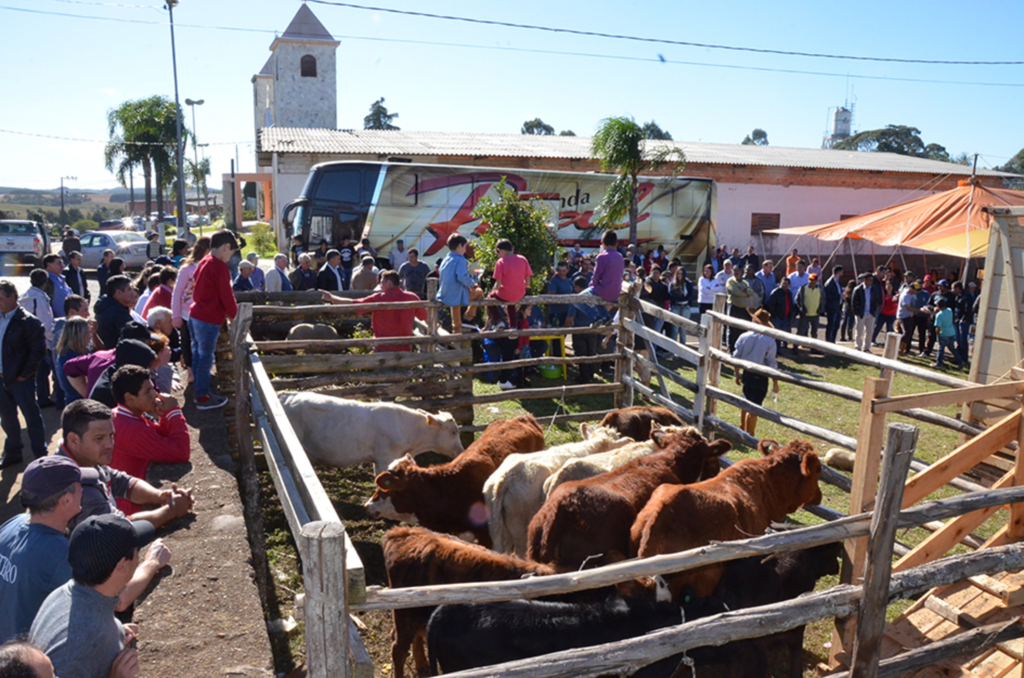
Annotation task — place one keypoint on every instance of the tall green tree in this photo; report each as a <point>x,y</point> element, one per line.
<point>537,126</point>
<point>900,139</point>
<point>620,146</point>
<point>1014,164</point>
<point>653,131</point>
<point>525,224</point>
<point>379,118</point>
<point>756,138</point>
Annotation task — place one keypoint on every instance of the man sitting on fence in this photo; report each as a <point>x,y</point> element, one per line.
<point>455,287</point>
<point>397,322</point>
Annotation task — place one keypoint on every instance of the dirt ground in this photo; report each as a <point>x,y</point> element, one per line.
<point>202,616</point>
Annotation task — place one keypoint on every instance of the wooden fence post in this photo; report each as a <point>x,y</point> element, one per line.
<point>714,340</point>
<point>432,314</point>
<point>1015,530</point>
<point>862,494</point>
<point>624,364</point>
<point>322,549</point>
<point>700,397</point>
<point>899,450</point>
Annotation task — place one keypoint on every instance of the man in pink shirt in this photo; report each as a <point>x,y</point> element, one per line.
<point>512,272</point>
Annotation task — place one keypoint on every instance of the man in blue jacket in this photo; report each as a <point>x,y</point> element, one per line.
<point>455,287</point>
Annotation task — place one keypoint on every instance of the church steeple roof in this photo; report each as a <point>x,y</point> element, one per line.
<point>305,26</point>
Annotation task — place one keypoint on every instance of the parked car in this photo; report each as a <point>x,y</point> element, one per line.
<point>129,245</point>
<point>26,241</point>
<point>111,225</point>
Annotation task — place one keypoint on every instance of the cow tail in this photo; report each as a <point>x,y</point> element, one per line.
<point>432,652</point>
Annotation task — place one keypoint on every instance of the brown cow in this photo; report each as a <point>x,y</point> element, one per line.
<point>417,557</point>
<point>449,497</point>
<point>635,422</point>
<point>638,421</point>
<point>740,502</point>
<point>589,520</point>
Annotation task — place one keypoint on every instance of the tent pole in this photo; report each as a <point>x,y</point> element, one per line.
<point>903,259</point>
<point>824,266</point>
<point>853,257</point>
<point>874,262</point>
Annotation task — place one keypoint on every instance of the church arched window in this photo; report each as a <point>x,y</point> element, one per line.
<point>308,66</point>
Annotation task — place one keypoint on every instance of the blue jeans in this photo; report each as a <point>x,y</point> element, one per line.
<point>70,394</point>
<point>43,392</point>
<point>204,342</point>
<point>346,278</point>
<point>674,331</point>
<point>947,342</point>
<point>21,395</point>
<point>782,325</point>
<point>963,332</point>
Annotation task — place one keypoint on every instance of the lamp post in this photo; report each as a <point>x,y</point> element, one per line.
<point>182,220</point>
<point>195,150</point>
<point>62,212</point>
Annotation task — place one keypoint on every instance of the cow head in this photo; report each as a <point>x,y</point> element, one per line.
<point>444,433</point>
<point>799,454</point>
<point>387,498</point>
<point>769,447</point>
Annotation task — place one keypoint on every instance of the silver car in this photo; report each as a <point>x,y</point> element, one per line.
<point>128,245</point>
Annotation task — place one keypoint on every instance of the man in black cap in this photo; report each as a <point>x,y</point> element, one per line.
<point>89,440</point>
<point>76,626</point>
<point>33,548</point>
<point>128,352</point>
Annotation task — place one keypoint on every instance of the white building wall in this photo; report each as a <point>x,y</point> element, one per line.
<point>799,206</point>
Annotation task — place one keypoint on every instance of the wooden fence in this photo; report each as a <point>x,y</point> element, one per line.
<point>334,584</point>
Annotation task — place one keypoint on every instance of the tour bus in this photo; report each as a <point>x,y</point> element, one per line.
<point>423,204</point>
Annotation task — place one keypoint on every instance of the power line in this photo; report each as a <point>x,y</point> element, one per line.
<point>661,41</point>
<point>105,141</point>
<point>614,57</point>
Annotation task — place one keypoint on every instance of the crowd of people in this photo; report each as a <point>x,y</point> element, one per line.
<point>73,565</point>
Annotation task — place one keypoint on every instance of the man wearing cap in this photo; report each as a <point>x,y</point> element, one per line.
<point>258,277</point>
<point>810,304</point>
<point>941,292</point>
<point>865,302</point>
<point>399,255</point>
<point>22,347</point>
<point>33,548</point>
<point>76,626</point>
<point>963,317</point>
<point>128,352</point>
<point>161,437</point>
<point>243,283</point>
<point>365,279</point>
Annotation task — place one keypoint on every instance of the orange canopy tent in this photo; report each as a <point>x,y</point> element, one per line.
<point>951,222</point>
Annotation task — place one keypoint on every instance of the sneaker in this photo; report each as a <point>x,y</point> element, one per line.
<point>506,385</point>
<point>211,402</point>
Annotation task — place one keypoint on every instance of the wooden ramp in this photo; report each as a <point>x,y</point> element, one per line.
<point>946,611</point>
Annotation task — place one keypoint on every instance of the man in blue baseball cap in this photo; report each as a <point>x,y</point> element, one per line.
<point>33,548</point>
<point>76,626</point>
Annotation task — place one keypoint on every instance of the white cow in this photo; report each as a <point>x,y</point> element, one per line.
<point>596,464</point>
<point>338,432</point>
<point>515,490</point>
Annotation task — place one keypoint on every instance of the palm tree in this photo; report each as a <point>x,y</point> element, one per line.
<point>143,133</point>
<point>621,147</point>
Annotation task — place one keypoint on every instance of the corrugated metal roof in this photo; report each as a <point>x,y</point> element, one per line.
<point>406,143</point>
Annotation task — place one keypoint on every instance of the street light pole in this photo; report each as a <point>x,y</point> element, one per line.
<point>182,220</point>
<point>195,150</point>
<point>62,212</point>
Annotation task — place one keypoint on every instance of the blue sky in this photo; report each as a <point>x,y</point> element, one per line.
<point>63,73</point>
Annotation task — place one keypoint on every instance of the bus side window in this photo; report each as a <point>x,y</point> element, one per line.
<point>689,202</point>
<point>321,227</point>
<point>403,190</point>
<point>661,204</point>
<point>341,186</point>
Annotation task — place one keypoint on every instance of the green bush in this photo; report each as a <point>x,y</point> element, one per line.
<point>249,215</point>
<point>218,224</point>
<point>261,239</point>
<point>83,225</point>
<point>525,224</point>
<point>170,229</point>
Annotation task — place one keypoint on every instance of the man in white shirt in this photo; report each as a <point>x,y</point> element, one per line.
<point>399,255</point>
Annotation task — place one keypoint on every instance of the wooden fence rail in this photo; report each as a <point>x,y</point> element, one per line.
<point>791,540</point>
<point>627,656</point>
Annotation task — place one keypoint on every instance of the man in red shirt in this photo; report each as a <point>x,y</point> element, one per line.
<point>213,301</point>
<point>393,322</point>
<point>138,440</point>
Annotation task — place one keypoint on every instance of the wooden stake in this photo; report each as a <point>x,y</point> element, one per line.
<point>899,449</point>
<point>1016,527</point>
<point>322,549</point>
